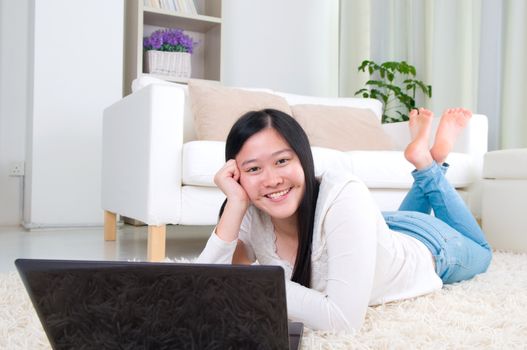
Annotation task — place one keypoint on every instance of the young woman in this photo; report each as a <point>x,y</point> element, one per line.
<point>339,252</point>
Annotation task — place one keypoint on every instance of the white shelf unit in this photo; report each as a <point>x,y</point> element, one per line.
<point>205,28</point>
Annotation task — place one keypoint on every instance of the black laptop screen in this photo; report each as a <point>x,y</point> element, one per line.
<point>159,306</point>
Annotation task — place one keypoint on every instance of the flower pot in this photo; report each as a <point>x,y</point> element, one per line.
<point>174,64</point>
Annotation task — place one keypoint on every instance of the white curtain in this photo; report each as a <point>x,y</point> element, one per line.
<point>514,92</point>
<point>472,52</point>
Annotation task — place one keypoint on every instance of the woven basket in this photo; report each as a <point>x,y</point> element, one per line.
<point>174,64</point>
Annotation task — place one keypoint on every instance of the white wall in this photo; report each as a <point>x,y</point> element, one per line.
<point>74,65</point>
<point>289,46</point>
<point>75,72</point>
<point>13,97</point>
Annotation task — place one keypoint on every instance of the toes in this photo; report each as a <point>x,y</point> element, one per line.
<point>466,112</point>
<point>426,112</point>
<point>455,111</point>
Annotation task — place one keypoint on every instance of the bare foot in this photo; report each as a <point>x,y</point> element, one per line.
<point>453,121</point>
<point>417,151</point>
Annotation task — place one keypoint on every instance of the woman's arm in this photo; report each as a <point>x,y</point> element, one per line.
<point>217,251</point>
<point>241,256</point>
<point>350,226</point>
<point>222,244</point>
<point>237,203</point>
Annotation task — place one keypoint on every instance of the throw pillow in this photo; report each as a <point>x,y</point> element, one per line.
<point>342,128</point>
<point>216,108</point>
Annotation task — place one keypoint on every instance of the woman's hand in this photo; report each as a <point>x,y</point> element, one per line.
<point>238,201</point>
<point>227,180</point>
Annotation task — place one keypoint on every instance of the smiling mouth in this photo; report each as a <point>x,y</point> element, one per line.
<point>277,195</point>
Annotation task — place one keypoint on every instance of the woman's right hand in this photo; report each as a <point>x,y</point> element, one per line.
<point>227,181</point>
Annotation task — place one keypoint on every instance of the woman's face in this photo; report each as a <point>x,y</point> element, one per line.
<point>271,174</point>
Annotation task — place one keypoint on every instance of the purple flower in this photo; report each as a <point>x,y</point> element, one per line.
<point>172,39</point>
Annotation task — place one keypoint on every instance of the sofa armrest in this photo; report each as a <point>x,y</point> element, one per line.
<point>474,141</point>
<point>142,151</point>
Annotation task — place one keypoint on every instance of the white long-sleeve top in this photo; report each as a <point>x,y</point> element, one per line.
<point>356,259</point>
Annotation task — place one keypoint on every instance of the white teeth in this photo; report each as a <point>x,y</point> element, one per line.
<point>277,194</point>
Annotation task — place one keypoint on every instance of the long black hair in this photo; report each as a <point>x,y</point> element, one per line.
<point>254,122</point>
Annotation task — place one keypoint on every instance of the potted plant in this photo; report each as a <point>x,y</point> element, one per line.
<point>396,88</point>
<point>168,52</point>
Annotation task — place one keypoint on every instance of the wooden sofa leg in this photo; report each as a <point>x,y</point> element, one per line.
<point>156,242</point>
<point>110,225</point>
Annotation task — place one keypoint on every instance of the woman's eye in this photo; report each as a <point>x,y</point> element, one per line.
<point>282,161</point>
<point>253,169</point>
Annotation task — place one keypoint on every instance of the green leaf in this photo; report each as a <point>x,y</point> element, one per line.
<point>391,66</point>
<point>374,93</point>
<point>402,117</point>
<point>363,65</point>
<point>376,83</point>
<point>394,88</point>
<point>408,102</point>
<point>426,89</point>
<point>360,91</point>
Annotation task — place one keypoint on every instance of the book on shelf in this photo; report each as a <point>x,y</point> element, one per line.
<point>181,6</point>
<point>192,7</point>
<point>187,7</point>
<point>152,3</point>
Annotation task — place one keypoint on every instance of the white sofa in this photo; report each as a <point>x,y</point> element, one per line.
<point>503,201</point>
<point>155,171</point>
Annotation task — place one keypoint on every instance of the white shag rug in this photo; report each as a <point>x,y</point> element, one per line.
<point>487,312</point>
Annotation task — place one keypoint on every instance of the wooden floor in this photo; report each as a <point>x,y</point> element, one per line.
<point>89,244</point>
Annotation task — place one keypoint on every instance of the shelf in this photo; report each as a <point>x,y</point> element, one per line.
<point>205,29</point>
<point>167,78</point>
<point>166,18</point>
<point>174,79</point>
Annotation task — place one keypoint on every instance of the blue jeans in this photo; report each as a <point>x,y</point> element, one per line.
<point>453,236</point>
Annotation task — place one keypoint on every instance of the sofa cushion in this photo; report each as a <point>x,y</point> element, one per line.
<point>216,108</point>
<point>342,128</point>
<point>378,169</point>
<point>355,102</point>
<point>505,164</point>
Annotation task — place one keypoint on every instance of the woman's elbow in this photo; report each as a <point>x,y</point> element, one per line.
<point>339,322</point>
<point>346,327</point>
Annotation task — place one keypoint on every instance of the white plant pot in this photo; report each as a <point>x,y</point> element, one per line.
<point>174,64</point>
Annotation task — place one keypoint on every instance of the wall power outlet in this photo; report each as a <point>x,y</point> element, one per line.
<point>17,169</point>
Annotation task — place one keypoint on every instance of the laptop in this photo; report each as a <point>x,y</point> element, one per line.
<point>140,305</point>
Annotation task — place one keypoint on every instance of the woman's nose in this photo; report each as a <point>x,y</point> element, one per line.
<point>272,178</point>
